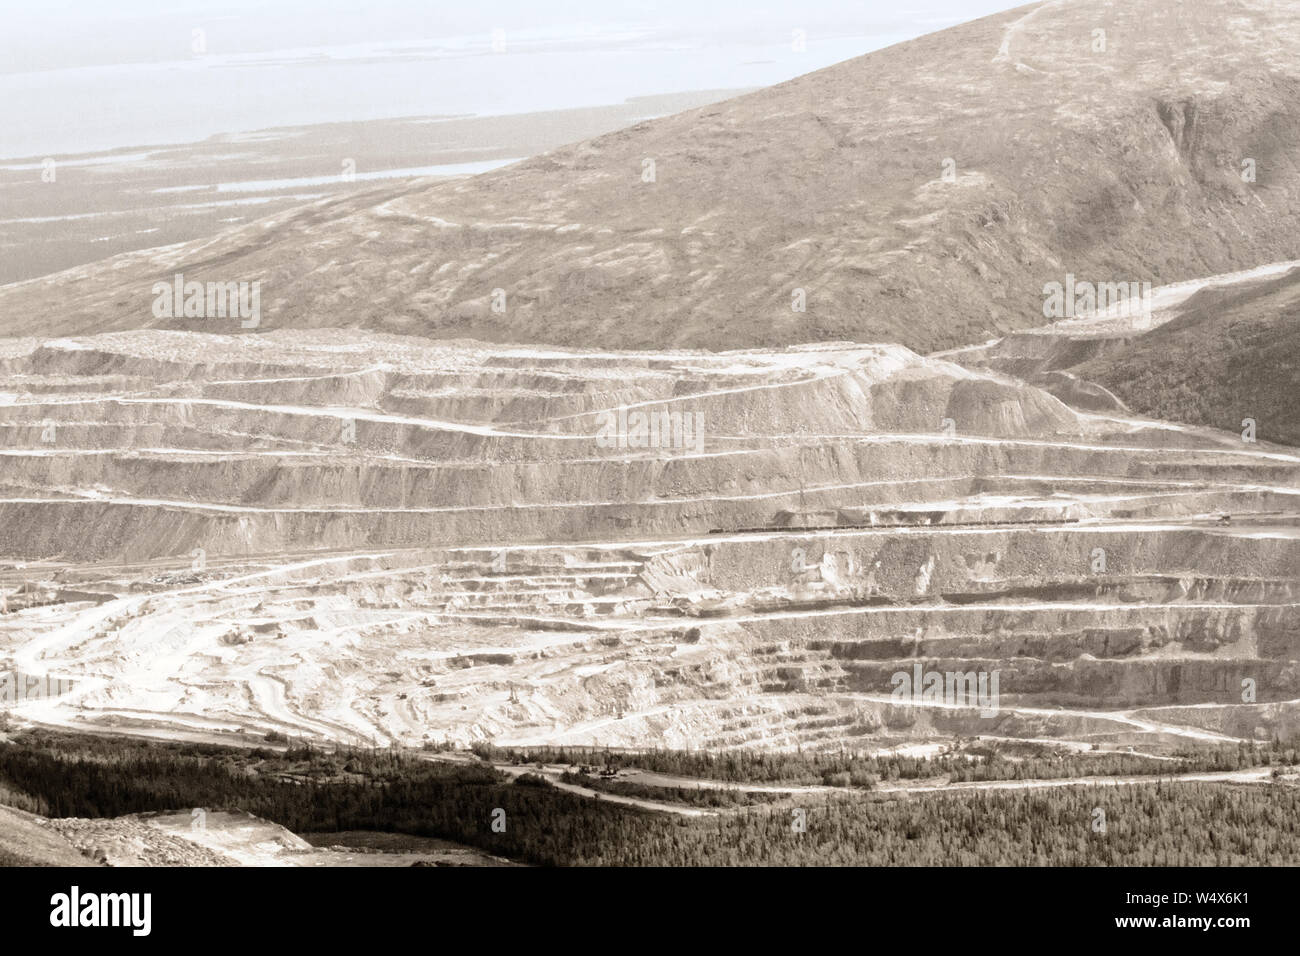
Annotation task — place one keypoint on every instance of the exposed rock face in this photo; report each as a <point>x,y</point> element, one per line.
<point>288,444</point>
<point>341,536</point>
<point>922,194</point>
<point>133,841</point>
<point>349,534</point>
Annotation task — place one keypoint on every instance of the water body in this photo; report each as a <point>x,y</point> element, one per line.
<point>81,76</point>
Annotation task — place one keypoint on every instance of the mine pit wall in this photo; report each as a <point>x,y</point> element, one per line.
<point>1050,635</point>
<point>549,468</point>
<point>776,681</point>
<point>878,475</point>
<point>1100,658</point>
<point>728,640</point>
<point>39,530</point>
<point>1243,721</point>
<point>497,495</point>
<point>144,358</point>
<point>33,530</point>
<point>987,560</point>
<point>899,395</point>
<point>816,722</point>
<point>1088,683</point>
<point>1089,656</point>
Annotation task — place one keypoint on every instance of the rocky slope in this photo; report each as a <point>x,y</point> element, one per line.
<point>201,837</point>
<point>28,840</point>
<point>338,536</point>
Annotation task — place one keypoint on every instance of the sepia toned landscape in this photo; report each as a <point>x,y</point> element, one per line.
<point>899,465</point>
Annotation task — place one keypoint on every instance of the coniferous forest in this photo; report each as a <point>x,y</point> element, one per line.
<point>315,791</point>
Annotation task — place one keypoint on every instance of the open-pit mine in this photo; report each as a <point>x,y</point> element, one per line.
<point>350,537</point>
<point>910,449</point>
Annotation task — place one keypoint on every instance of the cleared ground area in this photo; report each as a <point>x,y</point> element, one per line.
<point>342,536</point>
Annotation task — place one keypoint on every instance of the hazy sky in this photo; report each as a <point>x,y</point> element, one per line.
<point>93,74</point>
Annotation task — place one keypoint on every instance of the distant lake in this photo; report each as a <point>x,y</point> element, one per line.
<point>82,109</point>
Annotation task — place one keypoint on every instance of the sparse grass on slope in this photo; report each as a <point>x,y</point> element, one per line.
<point>24,842</point>
<point>920,194</point>
<point>1231,355</point>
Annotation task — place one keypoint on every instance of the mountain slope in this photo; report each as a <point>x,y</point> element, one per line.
<point>28,840</point>
<point>1230,355</point>
<point>1212,352</point>
<point>1114,164</point>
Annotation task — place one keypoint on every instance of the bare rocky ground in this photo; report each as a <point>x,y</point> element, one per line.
<point>334,535</point>
<point>216,838</point>
<point>27,840</point>
<point>1211,352</point>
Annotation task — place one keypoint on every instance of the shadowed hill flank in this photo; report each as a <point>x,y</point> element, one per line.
<point>1229,356</point>
<point>921,194</point>
<point>1218,351</point>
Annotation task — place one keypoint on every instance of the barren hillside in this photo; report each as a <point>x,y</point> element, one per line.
<point>921,194</point>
